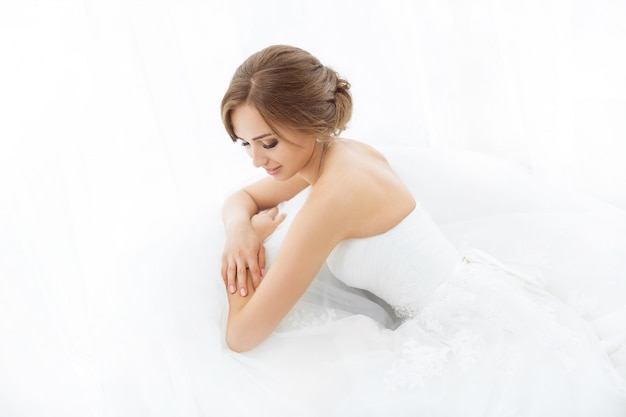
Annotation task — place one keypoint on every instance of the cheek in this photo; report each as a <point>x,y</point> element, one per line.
<point>287,157</point>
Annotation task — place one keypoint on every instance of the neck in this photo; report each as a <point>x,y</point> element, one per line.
<point>316,165</point>
<point>325,146</point>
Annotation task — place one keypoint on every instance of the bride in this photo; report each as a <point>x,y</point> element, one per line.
<point>469,335</point>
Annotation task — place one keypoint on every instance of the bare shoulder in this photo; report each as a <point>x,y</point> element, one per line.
<point>360,186</point>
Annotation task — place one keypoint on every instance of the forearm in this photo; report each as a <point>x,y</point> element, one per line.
<point>236,302</point>
<point>243,249</point>
<point>238,210</point>
<point>235,338</point>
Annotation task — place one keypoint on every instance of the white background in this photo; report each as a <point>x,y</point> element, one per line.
<point>111,143</point>
<point>121,98</point>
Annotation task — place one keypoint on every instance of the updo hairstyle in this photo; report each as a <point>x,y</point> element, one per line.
<point>289,87</point>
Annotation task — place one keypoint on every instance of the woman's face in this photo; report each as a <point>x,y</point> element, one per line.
<point>281,156</point>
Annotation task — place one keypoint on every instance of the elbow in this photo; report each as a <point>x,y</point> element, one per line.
<point>235,346</point>
<point>244,333</point>
<point>237,341</point>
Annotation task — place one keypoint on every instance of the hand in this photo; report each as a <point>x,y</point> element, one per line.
<point>243,255</point>
<point>236,302</point>
<point>265,222</point>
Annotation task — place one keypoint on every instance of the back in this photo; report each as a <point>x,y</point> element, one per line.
<point>361,177</point>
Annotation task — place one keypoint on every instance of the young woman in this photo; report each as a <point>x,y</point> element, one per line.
<point>474,339</point>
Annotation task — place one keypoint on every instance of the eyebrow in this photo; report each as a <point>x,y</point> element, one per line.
<point>264,135</point>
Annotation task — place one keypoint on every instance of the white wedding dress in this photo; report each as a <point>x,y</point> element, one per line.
<point>431,331</point>
<point>133,325</point>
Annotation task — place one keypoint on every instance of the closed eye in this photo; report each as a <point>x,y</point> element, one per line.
<point>270,145</point>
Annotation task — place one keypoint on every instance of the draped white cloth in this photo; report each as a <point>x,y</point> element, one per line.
<point>113,166</point>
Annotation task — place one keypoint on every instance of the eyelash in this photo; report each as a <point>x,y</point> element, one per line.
<point>270,145</point>
<point>265,146</point>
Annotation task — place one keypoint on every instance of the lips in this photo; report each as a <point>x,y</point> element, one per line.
<point>273,171</point>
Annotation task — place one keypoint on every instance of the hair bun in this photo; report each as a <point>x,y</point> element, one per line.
<point>290,87</point>
<point>343,105</point>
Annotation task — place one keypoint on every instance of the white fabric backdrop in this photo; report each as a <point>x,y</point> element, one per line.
<point>111,145</point>
<point>540,83</point>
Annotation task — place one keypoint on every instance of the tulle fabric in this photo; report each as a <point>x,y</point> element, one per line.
<point>490,341</point>
<point>144,335</point>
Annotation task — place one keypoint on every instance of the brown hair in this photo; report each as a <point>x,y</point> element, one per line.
<point>290,87</point>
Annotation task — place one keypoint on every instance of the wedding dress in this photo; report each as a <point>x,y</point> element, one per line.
<point>405,324</point>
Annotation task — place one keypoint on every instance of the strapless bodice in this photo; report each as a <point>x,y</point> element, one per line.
<point>402,266</point>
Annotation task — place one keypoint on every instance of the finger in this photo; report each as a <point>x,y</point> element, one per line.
<point>241,279</point>
<point>224,270</point>
<point>279,219</point>
<point>272,212</point>
<point>262,260</point>
<point>231,275</point>
<point>255,273</point>
<point>225,274</point>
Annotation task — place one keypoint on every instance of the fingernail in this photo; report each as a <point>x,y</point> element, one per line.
<point>262,271</point>
<point>232,289</point>
<point>242,292</point>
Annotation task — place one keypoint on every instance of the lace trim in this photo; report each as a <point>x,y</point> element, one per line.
<point>415,363</point>
<point>471,301</point>
<point>304,319</point>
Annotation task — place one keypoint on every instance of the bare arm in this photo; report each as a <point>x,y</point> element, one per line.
<point>244,250</point>
<point>318,227</point>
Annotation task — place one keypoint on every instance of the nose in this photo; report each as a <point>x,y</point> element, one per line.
<point>258,156</point>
